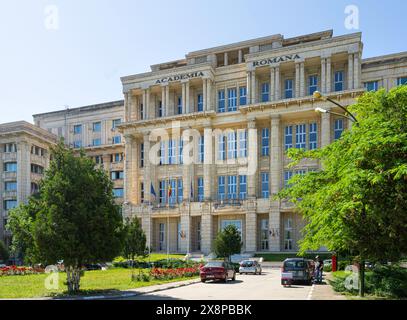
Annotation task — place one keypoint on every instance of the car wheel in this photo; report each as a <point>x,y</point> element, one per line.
<point>260,272</point>
<point>203,280</point>
<point>234,277</point>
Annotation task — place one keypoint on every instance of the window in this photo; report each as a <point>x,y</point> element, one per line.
<point>180,148</point>
<point>242,96</point>
<point>97,126</point>
<point>242,187</point>
<point>264,234</point>
<point>232,187</point>
<point>35,168</point>
<point>221,188</point>
<point>10,186</point>
<point>162,236</point>
<point>116,122</point>
<point>179,105</point>
<point>171,152</point>
<point>162,153</point>
<point>117,139</point>
<point>264,185</point>
<point>160,109</point>
<point>287,176</point>
<point>265,91</point>
<point>200,102</point>
<point>232,99</point>
<point>201,150</point>
<point>116,157</point>
<point>141,192</point>
<point>162,193</point>
<point>338,81</point>
<point>265,141</point>
<point>313,136</point>
<point>288,85</point>
<point>117,175</point>
<point>96,142</point>
<point>288,229</point>
<point>300,172</point>
<point>221,101</point>
<point>313,84</point>
<point>338,128</point>
<point>35,188</point>
<point>200,189</point>
<point>300,136</point>
<point>10,167</point>
<point>141,111</point>
<point>236,223</point>
<point>142,155</point>
<point>180,191</point>
<point>10,147</point>
<point>401,81</point>
<point>232,145</point>
<point>242,143</point>
<point>288,137</point>
<point>9,204</point>
<point>173,196</point>
<point>37,151</point>
<point>77,129</point>
<point>77,144</point>
<point>222,147</point>
<point>372,85</point>
<point>98,159</point>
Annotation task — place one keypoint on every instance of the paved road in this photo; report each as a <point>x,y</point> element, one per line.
<point>246,287</point>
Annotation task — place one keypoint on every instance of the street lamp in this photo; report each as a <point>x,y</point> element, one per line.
<point>319,96</point>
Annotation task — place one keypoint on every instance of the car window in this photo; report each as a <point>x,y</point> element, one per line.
<point>294,264</point>
<point>214,264</point>
<point>247,263</point>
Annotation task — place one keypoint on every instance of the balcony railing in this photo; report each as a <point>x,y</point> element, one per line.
<point>228,203</point>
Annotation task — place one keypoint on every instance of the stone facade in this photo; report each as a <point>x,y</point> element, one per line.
<point>24,155</point>
<point>257,97</point>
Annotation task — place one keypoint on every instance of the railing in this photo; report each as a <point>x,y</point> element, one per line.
<point>9,156</point>
<point>227,203</point>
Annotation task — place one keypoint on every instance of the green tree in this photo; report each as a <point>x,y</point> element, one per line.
<point>74,218</point>
<point>4,253</point>
<point>228,242</point>
<point>134,244</point>
<point>357,202</point>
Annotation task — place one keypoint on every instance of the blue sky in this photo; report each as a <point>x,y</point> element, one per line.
<point>80,60</point>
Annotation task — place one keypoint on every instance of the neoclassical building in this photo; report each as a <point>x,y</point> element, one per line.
<point>234,110</point>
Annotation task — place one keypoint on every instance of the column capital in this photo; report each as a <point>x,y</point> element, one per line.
<point>251,123</point>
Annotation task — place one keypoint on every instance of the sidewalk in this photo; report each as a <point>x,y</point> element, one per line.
<point>324,291</point>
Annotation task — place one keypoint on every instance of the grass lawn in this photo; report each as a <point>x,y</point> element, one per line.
<point>93,282</point>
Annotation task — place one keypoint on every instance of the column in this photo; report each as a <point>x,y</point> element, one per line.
<point>149,171</point>
<point>297,79</point>
<point>187,98</point>
<point>323,76</point>
<point>325,129</point>
<point>253,87</point>
<point>328,75</point>
<point>251,231</point>
<point>272,83</point>
<point>275,155</point>
<point>350,71</point>
<point>209,95</point>
<point>148,116</point>
<point>302,80</point>
<point>277,82</point>
<point>185,220</point>
<point>23,171</point>
<point>131,186</point>
<point>249,87</point>
<point>126,106</point>
<point>356,71</point>
<point>206,231</point>
<point>167,101</point>
<point>183,97</point>
<point>226,58</point>
<point>240,56</point>
<point>204,93</point>
<point>147,225</point>
<point>163,100</point>
<point>145,104</point>
<point>208,163</point>
<point>274,226</point>
<point>252,172</point>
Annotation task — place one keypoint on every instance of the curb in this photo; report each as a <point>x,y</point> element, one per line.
<point>132,294</point>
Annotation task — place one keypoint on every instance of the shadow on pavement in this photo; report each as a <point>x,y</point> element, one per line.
<point>153,297</point>
<point>219,282</point>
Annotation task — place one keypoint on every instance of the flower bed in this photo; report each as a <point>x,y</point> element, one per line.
<point>17,271</point>
<point>159,273</point>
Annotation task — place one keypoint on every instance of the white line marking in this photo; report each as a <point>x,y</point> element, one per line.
<point>311,292</point>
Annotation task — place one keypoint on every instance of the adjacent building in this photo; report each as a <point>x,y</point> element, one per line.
<point>233,111</point>
<point>24,156</point>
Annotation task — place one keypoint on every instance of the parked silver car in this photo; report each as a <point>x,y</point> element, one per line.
<point>250,266</point>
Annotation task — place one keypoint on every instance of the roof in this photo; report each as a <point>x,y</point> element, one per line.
<point>26,127</point>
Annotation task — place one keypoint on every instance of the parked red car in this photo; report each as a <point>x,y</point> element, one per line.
<point>217,270</point>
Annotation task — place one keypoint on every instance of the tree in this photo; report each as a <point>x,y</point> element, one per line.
<point>228,242</point>
<point>134,244</point>
<point>4,253</point>
<point>358,201</point>
<point>74,217</point>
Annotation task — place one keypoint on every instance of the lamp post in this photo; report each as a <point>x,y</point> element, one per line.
<point>319,96</point>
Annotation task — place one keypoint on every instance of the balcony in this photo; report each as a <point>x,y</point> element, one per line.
<point>10,194</point>
<point>10,175</point>
<point>9,156</point>
<point>41,160</point>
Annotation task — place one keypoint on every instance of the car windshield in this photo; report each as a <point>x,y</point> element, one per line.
<point>247,264</point>
<point>294,264</point>
<point>214,264</point>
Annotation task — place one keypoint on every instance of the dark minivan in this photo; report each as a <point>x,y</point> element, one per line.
<point>301,270</point>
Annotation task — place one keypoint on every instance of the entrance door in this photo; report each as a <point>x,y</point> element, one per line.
<point>162,237</point>
<point>264,234</point>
